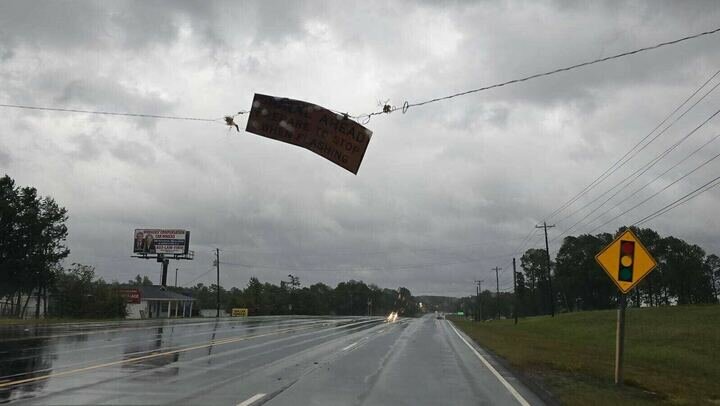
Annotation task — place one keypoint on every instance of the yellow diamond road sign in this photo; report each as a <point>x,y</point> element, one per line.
<point>626,261</point>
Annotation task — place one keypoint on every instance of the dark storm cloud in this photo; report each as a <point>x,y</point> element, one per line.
<point>94,24</point>
<point>445,192</point>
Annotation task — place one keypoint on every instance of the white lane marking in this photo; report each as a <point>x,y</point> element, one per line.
<point>502,380</point>
<point>350,346</point>
<point>252,400</point>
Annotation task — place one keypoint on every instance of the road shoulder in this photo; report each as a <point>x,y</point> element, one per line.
<point>529,387</point>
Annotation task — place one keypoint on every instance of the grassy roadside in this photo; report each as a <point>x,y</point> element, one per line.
<point>672,354</point>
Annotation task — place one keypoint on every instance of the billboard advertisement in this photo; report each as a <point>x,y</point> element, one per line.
<point>161,241</point>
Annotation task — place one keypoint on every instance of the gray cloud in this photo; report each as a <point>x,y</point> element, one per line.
<point>446,191</point>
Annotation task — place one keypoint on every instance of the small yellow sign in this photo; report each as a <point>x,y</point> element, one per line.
<point>626,261</point>
<point>237,312</point>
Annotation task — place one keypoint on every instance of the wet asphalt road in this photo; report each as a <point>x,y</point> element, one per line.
<point>259,360</point>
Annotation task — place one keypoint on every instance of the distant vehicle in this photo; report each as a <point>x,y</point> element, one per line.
<point>440,316</point>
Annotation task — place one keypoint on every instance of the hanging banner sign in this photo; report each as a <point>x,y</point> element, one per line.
<point>330,135</point>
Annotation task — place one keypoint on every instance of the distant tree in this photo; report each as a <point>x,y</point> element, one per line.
<point>534,264</point>
<point>319,294</point>
<point>646,291</point>
<point>581,281</point>
<point>253,291</point>
<point>682,266</point>
<point>32,243</point>
<point>140,281</point>
<point>711,270</point>
<point>78,293</point>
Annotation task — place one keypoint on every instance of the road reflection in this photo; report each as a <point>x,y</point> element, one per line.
<point>152,347</point>
<point>23,360</point>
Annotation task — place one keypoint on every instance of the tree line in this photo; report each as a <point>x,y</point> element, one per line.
<point>685,274</point>
<point>351,298</point>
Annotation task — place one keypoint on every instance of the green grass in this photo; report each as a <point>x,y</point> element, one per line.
<point>672,354</point>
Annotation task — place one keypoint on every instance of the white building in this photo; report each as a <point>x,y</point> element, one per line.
<point>156,302</point>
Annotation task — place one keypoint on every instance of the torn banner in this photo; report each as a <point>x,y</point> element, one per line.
<point>330,135</point>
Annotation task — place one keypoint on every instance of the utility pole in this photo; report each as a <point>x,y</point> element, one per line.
<point>497,291</point>
<point>217,265</point>
<point>176,277</point>
<point>549,276</point>
<point>478,305</point>
<point>515,307</point>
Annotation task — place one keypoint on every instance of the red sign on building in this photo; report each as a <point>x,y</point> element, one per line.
<point>130,295</point>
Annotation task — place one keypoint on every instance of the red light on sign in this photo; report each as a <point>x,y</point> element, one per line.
<point>627,247</point>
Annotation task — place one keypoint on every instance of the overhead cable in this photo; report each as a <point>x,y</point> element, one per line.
<point>626,158</point>
<point>386,109</point>
<point>659,191</point>
<point>406,105</point>
<point>628,197</point>
<point>686,198</point>
<point>639,172</point>
<point>112,113</point>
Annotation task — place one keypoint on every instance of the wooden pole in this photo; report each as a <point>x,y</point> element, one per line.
<point>620,340</point>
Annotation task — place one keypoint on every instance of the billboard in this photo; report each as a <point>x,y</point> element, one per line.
<point>330,135</point>
<point>161,241</point>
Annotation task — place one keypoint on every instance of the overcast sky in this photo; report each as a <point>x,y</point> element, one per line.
<point>446,191</point>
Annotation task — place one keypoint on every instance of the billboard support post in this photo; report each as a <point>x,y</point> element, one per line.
<point>165,263</point>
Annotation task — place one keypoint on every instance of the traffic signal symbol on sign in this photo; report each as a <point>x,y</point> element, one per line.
<point>626,261</point>
<point>627,253</point>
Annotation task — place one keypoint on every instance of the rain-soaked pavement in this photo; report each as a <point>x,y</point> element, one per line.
<point>253,361</point>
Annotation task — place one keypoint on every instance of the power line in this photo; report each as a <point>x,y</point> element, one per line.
<point>639,172</point>
<point>628,197</point>
<point>686,198</point>
<point>622,161</point>
<point>110,113</point>
<point>522,245</point>
<point>660,191</point>
<point>651,163</point>
<point>201,275</point>
<point>389,109</point>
